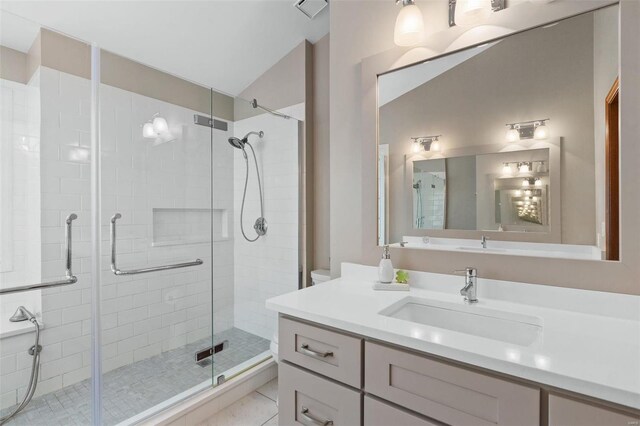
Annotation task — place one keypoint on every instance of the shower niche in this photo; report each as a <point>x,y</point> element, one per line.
<point>179,226</point>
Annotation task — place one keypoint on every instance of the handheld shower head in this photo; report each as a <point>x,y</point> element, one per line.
<point>22,314</point>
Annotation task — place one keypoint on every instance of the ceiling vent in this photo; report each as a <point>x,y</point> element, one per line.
<point>310,8</point>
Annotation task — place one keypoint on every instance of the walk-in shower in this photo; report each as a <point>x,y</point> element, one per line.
<point>163,274</point>
<point>260,225</point>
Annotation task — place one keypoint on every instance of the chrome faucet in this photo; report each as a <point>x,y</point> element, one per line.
<point>470,284</point>
<point>483,241</point>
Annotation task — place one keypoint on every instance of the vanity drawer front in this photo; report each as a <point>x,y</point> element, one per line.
<point>449,394</point>
<point>307,399</point>
<point>377,413</point>
<point>331,354</point>
<point>569,412</point>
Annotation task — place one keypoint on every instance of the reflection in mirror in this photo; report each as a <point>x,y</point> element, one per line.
<point>518,151</point>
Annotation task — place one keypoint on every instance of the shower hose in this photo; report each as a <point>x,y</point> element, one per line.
<point>244,195</point>
<point>33,381</point>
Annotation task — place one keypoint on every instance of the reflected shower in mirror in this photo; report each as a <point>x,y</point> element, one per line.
<point>518,152</point>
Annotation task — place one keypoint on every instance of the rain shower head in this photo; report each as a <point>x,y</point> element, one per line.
<point>22,314</point>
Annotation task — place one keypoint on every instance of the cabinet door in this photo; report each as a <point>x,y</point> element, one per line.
<point>569,412</point>
<point>307,399</point>
<point>378,413</point>
<point>447,393</point>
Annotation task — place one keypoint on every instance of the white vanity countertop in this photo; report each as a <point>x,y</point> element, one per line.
<point>590,341</point>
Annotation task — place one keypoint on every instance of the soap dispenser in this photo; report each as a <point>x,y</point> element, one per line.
<point>385,269</point>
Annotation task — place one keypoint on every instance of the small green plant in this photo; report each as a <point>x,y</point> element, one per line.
<point>402,277</point>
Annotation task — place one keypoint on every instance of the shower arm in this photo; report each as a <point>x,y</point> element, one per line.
<point>254,104</point>
<point>116,271</point>
<point>69,277</point>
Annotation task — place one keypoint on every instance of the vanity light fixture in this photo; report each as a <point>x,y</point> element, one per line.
<point>409,29</point>
<point>428,143</point>
<point>538,182</point>
<point>157,128</point>
<point>471,12</point>
<point>506,169</point>
<point>526,182</point>
<point>524,167</point>
<point>527,130</point>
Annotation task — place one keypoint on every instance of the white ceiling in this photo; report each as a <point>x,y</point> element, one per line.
<point>224,44</point>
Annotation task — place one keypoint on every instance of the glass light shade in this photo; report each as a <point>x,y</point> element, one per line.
<point>513,135</point>
<point>472,12</point>
<point>538,182</point>
<point>415,147</point>
<point>435,146</point>
<point>525,183</point>
<point>527,192</point>
<point>524,168</point>
<point>160,125</point>
<point>541,132</point>
<point>147,130</point>
<point>506,169</point>
<point>518,193</point>
<point>409,28</point>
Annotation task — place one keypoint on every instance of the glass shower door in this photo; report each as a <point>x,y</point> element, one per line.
<point>157,232</point>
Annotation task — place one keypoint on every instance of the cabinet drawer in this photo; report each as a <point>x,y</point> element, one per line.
<point>307,399</point>
<point>328,353</point>
<point>377,413</point>
<point>447,393</point>
<point>569,412</point>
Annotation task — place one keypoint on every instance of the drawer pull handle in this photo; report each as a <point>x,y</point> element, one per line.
<point>308,417</point>
<point>305,350</point>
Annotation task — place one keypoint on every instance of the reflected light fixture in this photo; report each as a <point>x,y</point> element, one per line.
<point>428,143</point>
<point>512,134</point>
<point>506,169</point>
<point>527,130</point>
<point>538,182</point>
<point>541,131</point>
<point>525,183</point>
<point>157,128</point>
<point>524,168</point>
<point>147,130</point>
<point>409,29</point>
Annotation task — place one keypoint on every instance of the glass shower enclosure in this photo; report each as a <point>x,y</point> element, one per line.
<point>121,233</point>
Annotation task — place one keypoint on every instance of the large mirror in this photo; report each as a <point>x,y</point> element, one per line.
<point>506,147</point>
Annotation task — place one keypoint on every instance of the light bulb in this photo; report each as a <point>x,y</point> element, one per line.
<point>415,147</point>
<point>160,125</point>
<point>409,25</point>
<point>147,130</point>
<point>471,12</point>
<point>541,132</point>
<point>538,182</point>
<point>512,135</point>
<point>524,168</point>
<point>525,183</point>
<point>506,169</point>
<point>518,193</point>
<point>435,146</point>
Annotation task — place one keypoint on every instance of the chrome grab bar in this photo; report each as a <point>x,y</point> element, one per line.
<point>313,419</point>
<point>305,350</point>
<point>117,271</point>
<point>70,278</point>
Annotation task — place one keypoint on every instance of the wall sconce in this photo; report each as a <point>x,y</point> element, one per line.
<point>523,167</point>
<point>427,143</point>
<point>469,12</point>
<point>535,129</point>
<point>528,182</point>
<point>409,29</point>
<point>157,128</point>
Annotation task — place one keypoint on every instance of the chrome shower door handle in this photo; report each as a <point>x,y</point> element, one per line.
<point>69,277</point>
<point>116,271</point>
<point>304,412</point>
<point>310,352</point>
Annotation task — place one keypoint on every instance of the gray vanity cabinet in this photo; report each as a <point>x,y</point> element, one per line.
<point>331,378</point>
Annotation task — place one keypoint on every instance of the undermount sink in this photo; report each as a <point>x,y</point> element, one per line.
<point>493,324</point>
<point>483,250</point>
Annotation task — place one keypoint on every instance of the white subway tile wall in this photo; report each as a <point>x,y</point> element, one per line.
<point>269,266</point>
<point>142,315</point>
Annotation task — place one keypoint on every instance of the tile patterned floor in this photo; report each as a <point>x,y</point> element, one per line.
<point>134,388</point>
<point>256,409</point>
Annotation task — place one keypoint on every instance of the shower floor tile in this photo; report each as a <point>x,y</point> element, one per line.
<point>136,387</point>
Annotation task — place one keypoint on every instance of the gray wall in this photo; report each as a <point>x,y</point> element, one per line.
<point>321,152</point>
<point>461,193</point>
<point>542,73</point>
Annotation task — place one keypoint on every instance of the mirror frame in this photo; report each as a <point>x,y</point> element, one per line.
<point>611,276</point>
